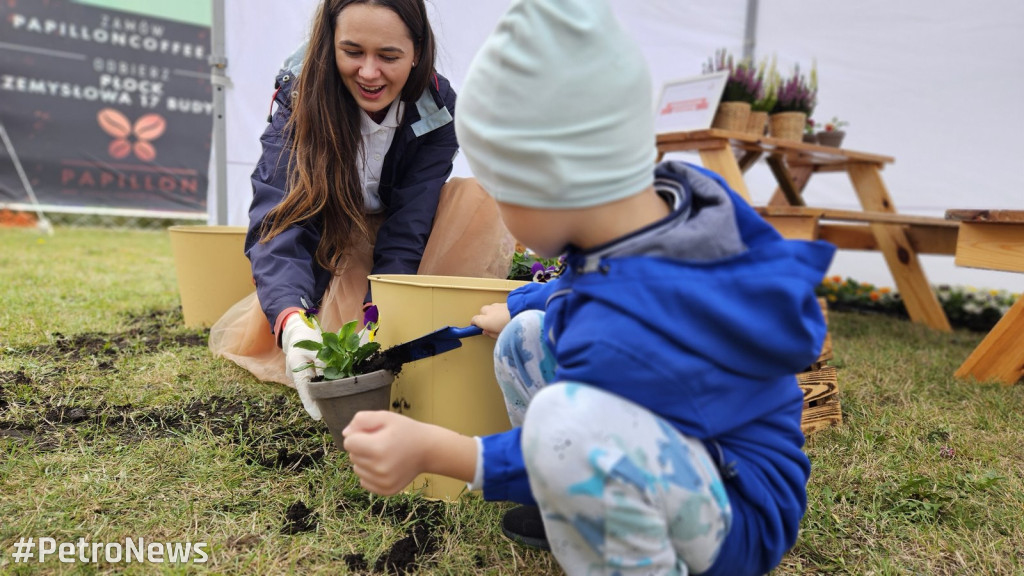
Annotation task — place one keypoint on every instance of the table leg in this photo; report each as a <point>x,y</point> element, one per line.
<point>1000,356</point>
<point>922,305</point>
<point>789,185</point>
<point>799,175</point>
<point>722,161</point>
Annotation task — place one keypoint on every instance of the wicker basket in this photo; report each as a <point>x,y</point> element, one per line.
<point>732,116</point>
<point>788,125</point>
<point>757,123</point>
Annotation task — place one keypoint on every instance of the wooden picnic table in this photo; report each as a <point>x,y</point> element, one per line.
<point>900,238</point>
<point>994,240</point>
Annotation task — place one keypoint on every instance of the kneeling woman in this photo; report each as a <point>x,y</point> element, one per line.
<point>352,181</point>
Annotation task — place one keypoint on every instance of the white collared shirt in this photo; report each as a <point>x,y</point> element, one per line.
<point>377,140</point>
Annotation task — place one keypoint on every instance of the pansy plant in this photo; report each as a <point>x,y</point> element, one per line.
<point>339,353</point>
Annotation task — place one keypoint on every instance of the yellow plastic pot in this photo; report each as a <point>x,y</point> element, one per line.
<point>456,389</point>
<point>213,272</point>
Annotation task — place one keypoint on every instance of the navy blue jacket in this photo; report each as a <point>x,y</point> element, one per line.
<point>416,166</point>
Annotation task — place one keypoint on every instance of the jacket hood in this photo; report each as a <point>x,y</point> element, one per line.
<point>718,269</point>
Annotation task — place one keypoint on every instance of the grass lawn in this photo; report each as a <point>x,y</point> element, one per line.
<point>116,423</point>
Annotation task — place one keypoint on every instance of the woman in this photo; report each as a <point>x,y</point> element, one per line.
<point>352,181</point>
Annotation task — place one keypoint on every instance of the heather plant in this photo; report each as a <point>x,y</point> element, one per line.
<point>744,83</point>
<point>768,76</point>
<point>798,93</point>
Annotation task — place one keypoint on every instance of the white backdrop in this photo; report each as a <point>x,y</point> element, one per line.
<point>935,84</point>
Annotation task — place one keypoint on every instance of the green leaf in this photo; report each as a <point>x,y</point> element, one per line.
<point>305,366</point>
<point>331,341</point>
<point>309,345</point>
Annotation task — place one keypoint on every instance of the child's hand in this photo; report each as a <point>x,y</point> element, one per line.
<point>492,318</point>
<point>384,449</point>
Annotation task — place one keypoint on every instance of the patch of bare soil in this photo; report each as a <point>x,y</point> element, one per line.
<point>407,555</point>
<point>264,426</point>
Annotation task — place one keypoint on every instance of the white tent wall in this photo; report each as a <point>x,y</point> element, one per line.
<point>933,84</point>
<point>936,85</point>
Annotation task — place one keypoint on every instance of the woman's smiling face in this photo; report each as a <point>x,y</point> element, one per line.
<point>374,53</point>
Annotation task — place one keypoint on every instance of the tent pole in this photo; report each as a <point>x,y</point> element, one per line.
<point>41,221</point>
<point>750,31</point>
<point>219,80</point>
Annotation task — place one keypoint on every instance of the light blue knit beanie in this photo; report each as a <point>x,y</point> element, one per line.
<point>556,110</point>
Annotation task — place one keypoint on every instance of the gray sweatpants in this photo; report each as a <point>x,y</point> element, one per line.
<point>621,491</point>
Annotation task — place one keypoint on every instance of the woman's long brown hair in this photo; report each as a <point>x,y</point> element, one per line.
<point>324,133</point>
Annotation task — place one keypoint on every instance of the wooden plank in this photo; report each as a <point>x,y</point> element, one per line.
<point>826,349</point>
<point>811,153</point>
<point>994,246</point>
<point>817,385</point>
<point>795,227</point>
<point>922,305</point>
<point>825,415</point>
<point>1000,356</point>
<point>1002,216</point>
<point>856,216</point>
<point>924,239</point>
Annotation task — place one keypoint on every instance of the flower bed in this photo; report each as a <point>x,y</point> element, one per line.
<point>965,306</point>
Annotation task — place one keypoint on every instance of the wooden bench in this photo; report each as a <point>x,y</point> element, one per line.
<point>927,235</point>
<point>994,240</point>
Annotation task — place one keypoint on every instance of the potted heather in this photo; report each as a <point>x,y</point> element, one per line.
<point>794,103</point>
<point>768,76</point>
<point>742,88</point>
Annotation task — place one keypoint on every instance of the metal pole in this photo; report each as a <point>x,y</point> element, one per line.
<point>219,80</point>
<point>42,223</point>
<point>750,31</point>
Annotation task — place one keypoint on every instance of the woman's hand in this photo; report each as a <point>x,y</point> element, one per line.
<point>389,450</point>
<point>492,318</point>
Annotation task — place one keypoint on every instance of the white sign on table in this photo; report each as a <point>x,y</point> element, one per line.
<point>689,103</point>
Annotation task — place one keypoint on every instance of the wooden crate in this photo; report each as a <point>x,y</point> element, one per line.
<point>820,386</point>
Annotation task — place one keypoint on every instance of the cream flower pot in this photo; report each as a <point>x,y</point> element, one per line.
<point>456,389</point>
<point>213,272</point>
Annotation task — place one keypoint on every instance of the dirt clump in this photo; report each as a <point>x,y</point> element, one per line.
<point>298,519</point>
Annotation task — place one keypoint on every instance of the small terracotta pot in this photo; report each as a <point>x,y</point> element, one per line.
<point>339,400</point>
<point>731,116</point>
<point>788,125</point>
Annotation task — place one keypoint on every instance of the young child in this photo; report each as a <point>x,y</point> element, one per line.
<point>651,385</point>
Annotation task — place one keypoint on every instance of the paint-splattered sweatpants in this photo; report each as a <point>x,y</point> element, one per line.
<point>621,491</point>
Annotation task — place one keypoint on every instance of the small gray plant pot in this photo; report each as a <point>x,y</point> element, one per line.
<point>339,400</point>
<point>833,138</point>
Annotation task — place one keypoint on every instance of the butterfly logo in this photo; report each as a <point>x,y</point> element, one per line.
<point>131,138</point>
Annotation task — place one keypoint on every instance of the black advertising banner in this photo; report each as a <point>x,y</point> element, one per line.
<point>106,110</point>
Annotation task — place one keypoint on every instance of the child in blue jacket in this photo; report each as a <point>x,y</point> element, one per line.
<point>651,385</point>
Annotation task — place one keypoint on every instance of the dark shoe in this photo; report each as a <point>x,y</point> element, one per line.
<point>524,525</point>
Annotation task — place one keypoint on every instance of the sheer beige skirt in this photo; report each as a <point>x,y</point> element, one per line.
<point>467,239</point>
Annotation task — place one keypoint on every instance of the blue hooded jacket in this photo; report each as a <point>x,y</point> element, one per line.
<point>704,318</point>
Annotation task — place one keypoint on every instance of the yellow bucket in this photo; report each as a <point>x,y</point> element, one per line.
<point>456,389</point>
<point>213,272</point>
